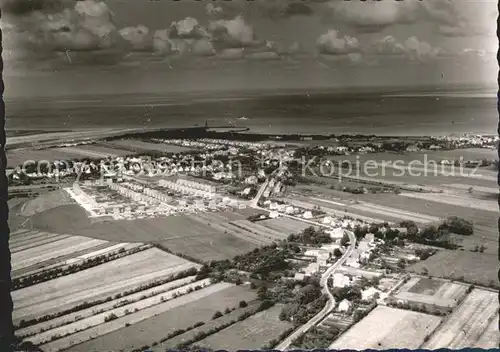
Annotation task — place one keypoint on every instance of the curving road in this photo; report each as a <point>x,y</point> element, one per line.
<point>331,300</point>
<point>324,278</point>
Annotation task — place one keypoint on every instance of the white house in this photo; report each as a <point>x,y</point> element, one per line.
<point>274,214</point>
<point>307,215</point>
<point>340,280</point>
<point>336,233</point>
<point>327,220</point>
<point>369,293</point>
<point>344,306</point>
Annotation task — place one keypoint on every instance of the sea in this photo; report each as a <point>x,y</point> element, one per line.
<point>396,112</point>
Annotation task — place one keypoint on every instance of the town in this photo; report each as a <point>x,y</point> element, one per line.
<point>233,235</point>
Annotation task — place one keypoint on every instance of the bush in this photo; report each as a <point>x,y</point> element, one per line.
<point>217,314</point>
<point>243,304</point>
<point>459,226</point>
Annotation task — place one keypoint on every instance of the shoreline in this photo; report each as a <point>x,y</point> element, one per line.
<point>29,136</point>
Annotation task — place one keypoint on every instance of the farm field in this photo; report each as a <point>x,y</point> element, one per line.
<point>474,267</point>
<point>65,292</point>
<point>19,156</point>
<point>64,321</point>
<point>134,145</point>
<point>93,318</point>
<point>340,209</point>
<point>490,337</point>
<point>93,151</point>
<point>187,312</point>
<point>203,236</point>
<point>251,333</point>
<point>46,201</point>
<point>432,291</point>
<point>401,329</point>
<point>453,199</point>
<point>285,225</point>
<point>466,154</point>
<point>212,324</point>
<point>465,326</point>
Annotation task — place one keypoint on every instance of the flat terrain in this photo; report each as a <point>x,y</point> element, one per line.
<point>432,292</point>
<point>203,236</point>
<point>47,201</point>
<point>134,145</point>
<point>189,312</point>
<point>93,151</point>
<point>468,323</point>
<point>479,268</point>
<point>401,329</point>
<point>95,283</point>
<point>251,333</point>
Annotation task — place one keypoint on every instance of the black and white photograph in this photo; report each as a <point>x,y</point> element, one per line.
<point>249,174</point>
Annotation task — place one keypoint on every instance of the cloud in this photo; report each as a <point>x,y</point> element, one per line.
<point>412,49</point>
<point>88,26</point>
<point>330,43</point>
<point>203,47</point>
<point>231,54</point>
<point>188,28</point>
<point>372,16</point>
<point>162,43</point>
<point>235,33</point>
<point>139,37</point>
<point>448,18</point>
<point>24,7</point>
<point>264,55</point>
<point>213,10</point>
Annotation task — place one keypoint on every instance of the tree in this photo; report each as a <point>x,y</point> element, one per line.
<point>458,225</point>
<point>243,304</point>
<point>337,253</point>
<point>227,310</point>
<point>262,293</point>
<point>344,240</point>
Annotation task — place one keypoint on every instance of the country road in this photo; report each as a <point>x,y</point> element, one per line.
<point>331,300</point>
<point>324,278</point>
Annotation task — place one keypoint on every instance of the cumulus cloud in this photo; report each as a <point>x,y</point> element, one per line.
<point>331,43</point>
<point>233,33</point>
<point>188,28</point>
<point>139,37</point>
<point>88,26</point>
<point>203,47</point>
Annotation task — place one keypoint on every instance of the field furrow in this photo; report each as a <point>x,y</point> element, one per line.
<point>104,307</point>
<point>466,324</point>
<point>133,318</point>
<point>94,320</point>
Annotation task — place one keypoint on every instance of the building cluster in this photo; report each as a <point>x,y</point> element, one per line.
<point>189,187</point>
<point>468,140</point>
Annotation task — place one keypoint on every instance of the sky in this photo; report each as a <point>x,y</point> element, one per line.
<point>69,47</point>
